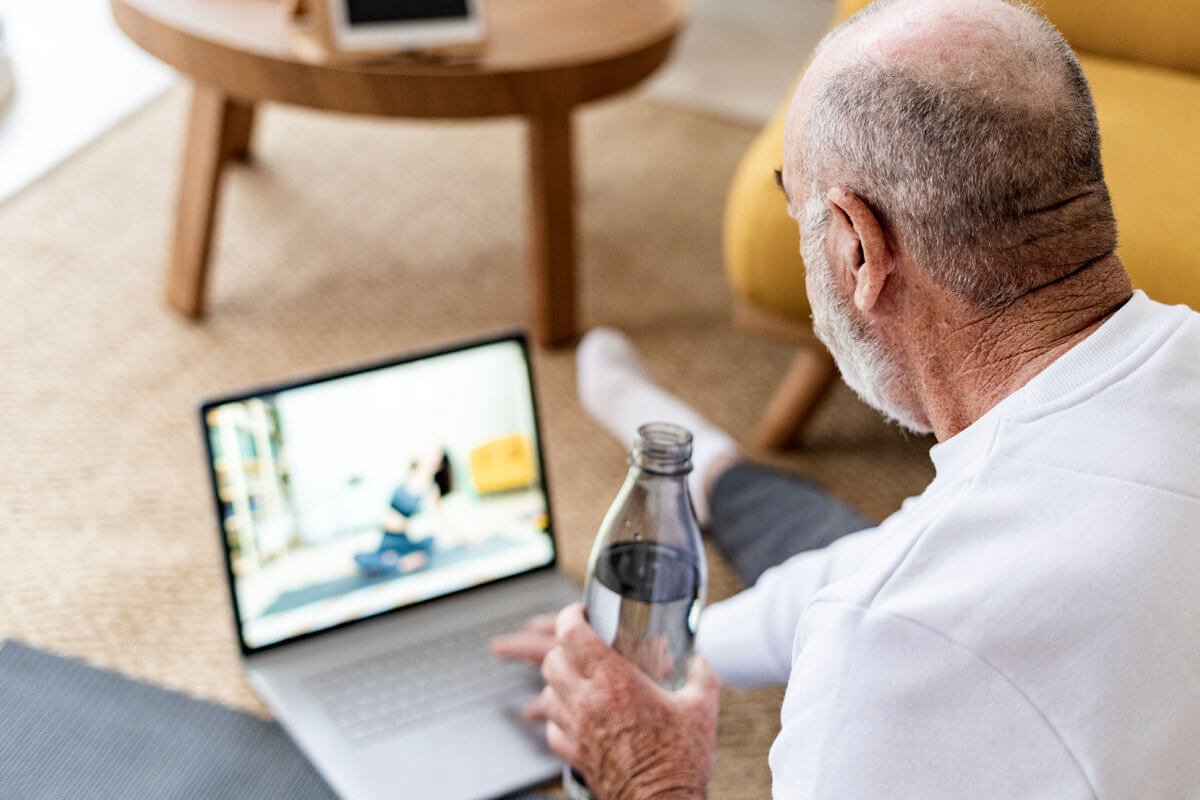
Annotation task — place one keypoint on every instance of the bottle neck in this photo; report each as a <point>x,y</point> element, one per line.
<point>662,449</point>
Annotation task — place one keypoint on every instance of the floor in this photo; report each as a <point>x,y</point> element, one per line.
<point>76,75</point>
<point>738,58</point>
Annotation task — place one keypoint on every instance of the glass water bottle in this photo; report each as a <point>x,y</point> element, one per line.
<point>647,578</point>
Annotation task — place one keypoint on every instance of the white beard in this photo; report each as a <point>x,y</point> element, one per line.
<point>867,367</point>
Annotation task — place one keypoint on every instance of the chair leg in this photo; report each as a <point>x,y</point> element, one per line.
<point>807,381</point>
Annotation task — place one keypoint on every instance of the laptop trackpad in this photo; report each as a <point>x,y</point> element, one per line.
<point>484,754</point>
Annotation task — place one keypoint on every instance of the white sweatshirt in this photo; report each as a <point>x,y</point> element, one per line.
<point>1028,627</point>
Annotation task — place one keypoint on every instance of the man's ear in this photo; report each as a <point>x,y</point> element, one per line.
<point>859,246</point>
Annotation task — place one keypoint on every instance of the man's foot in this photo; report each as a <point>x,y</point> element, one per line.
<point>618,393</point>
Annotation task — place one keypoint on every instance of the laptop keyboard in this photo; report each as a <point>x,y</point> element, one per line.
<point>414,684</point>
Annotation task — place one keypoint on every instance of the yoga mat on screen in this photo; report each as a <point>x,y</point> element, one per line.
<point>70,730</point>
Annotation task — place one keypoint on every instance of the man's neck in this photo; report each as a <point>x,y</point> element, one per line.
<point>966,360</point>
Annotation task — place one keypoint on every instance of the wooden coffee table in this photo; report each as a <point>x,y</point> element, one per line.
<point>544,57</point>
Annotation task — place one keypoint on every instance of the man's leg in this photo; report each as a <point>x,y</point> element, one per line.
<point>618,393</point>
<point>762,517</point>
<point>757,517</point>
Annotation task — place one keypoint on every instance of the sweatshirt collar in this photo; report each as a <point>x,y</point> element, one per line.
<point>1127,330</point>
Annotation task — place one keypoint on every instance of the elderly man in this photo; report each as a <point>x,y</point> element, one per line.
<point>1028,627</point>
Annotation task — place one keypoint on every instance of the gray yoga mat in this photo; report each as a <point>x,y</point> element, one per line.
<point>68,730</point>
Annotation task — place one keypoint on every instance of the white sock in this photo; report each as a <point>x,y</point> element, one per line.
<point>617,392</point>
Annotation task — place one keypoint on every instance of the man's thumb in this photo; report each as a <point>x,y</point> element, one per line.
<point>702,679</point>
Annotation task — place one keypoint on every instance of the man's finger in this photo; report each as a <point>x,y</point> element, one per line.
<point>583,646</point>
<point>527,645</point>
<point>569,617</point>
<point>531,643</point>
<point>562,745</point>
<point>552,709</point>
<point>702,679</point>
<point>533,710</point>
<point>560,673</point>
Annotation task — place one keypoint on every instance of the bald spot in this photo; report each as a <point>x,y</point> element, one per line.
<point>967,43</point>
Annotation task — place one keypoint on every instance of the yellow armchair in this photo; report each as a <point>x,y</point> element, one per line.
<point>1143,62</point>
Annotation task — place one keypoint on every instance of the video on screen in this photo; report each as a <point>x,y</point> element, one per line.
<point>350,497</point>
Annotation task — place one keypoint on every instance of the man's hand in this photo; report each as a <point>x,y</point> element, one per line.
<point>630,738</point>
<point>531,643</point>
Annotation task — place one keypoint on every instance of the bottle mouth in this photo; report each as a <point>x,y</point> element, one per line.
<point>663,448</point>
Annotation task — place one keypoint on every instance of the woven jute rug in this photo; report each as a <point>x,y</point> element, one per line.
<point>345,240</point>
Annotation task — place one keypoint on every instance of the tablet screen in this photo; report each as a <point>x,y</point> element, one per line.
<point>367,12</point>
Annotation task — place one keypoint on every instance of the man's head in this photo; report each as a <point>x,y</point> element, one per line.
<point>956,137</point>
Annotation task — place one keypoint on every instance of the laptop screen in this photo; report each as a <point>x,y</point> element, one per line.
<point>352,495</point>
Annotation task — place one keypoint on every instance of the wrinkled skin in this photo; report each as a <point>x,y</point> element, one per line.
<point>629,738</point>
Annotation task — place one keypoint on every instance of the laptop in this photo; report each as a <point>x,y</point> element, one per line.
<point>379,526</point>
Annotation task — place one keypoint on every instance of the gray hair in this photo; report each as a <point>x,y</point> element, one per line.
<point>989,176</point>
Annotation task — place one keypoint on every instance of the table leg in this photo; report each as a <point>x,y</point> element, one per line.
<point>241,128</point>
<point>218,127</point>
<point>552,226</point>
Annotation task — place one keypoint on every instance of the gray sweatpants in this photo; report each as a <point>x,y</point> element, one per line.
<point>761,516</point>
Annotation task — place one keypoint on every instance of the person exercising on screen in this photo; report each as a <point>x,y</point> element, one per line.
<point>427,481</point>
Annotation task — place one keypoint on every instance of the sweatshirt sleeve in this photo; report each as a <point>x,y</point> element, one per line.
<point>748,638</point>
<point>879,706</point>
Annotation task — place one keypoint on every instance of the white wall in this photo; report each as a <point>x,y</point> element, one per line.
<point>75,74</point>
